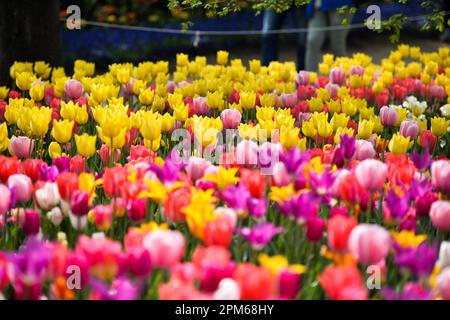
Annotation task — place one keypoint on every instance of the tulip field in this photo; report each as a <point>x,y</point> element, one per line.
<point>227,179</point>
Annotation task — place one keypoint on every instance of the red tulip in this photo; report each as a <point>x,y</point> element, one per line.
<point>67,183</point>
<point>339,229</point>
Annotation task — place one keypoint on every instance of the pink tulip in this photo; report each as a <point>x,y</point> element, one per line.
<point>5,199</point>
<point>288,100</point>
<point>47,197</point>
<point>22,185</point>
<point>74,89</point>
<point>369,243</point>
<point>357,70</point>
<point>302,78</point>
<point>388,116</point>
<point>409,128</point>
<point>371,174</point>
<point>337,76</point>
<point>364,150</point>
<point>105,154</point>
<point>21,146</point>
<point>333,90</point>
<point>280,175</point>
<point>440,175</point>
<point>440,215</point>
<point>247,153</point>
<point>231,118</point>
<point>443,283</point>
<point>200,107</point>
<point>437,92</point>
<point>196,167</point>
<point>166,247</point>
<point>139,261</point>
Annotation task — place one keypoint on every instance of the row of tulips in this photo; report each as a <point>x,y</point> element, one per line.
<point>333,184</point>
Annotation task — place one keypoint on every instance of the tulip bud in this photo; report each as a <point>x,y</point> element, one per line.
<point>30,222</point>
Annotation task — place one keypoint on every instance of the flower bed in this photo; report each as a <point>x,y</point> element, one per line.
<point>222,181</point>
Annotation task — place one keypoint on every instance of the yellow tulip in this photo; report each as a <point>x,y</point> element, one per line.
<point>324,129</point>
<point>42,69</point>
<point>40,121</point>
<point>399,144</point>
<point>3,92</point>
<point>68,110</point>
<point>222,57</point>
<point>308,129</point>
<point>24,80</point>
<point>138,85</point>
<point>214,100</point>
<point>289,137</point>
<point>82,116</point>
<point>151,126</point>
<point>315,104</point>
<point>62,130</point>
<point>85,144</point>
<point>255,66</point>
<point>54,150</point>
<point>181,112</point>
<point>439,126</point>
<point>37,91</point>
<point>365,128</point>
<point>153,144</point>
<point>339,120</point>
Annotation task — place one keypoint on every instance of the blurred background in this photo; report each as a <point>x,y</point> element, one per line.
<point>105,45</point>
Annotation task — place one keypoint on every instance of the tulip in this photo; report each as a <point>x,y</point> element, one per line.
<point>222,57</point>
<point>371,174</point>
<point>196,167</point>
<point>409,128</point>
<point>200,107</point>
<point>62,130</point>
<point>5,199</point>
<point>439,126</point>
<point>103,215</point>
<point>337,76</point>
<point>437,92</point>
<point>255,282</point>
<point>30,222</point>
<point>47,197</point>
<point>444,255</point>
<point>427,140</point>
<point>364,150</point>
<point>74,89</point>
<point>166,247</point>
<point>137,209</point>
<point>231,118</point>
<point>388,116</point>
<point>440,215</point>
<point>339,229</point>
<point>219,232</point>
<point>77,164</point>
<point>314,228</point>
<point>79,203</point>
<point>21,146</point>
<point>443,283</point>
<point>55,216</point>
<point>227,289</point>
<point>288,100</point>
<point>440,175</point>
<point>22,185</point>
<point>303,78</point>
<point>67,183</point>
<point>247,153</point>
<point>106,154</point>
<point>37,91</point>
<point>139,261</point>
<point>399,145</point>
<point>175,203</point>
<point>343,283</point>
<point>369,243</point>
